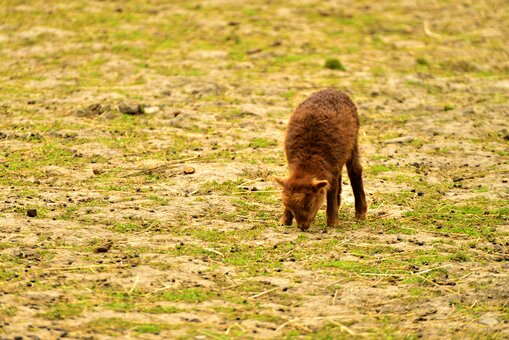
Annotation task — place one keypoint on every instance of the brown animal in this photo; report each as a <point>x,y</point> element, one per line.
<point>321,137</point>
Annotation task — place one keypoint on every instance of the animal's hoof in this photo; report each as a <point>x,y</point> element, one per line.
<point>332,223</point>
<point>361,216</point>
<point>303,227</point>
<point>283,221</point>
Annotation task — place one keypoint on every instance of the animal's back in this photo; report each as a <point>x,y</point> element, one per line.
<point>325,124</point>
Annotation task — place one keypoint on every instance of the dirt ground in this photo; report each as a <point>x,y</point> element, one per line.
<point>139,139</point>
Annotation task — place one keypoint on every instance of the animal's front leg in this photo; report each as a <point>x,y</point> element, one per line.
<point>287,218</point>
<point>332,204</point>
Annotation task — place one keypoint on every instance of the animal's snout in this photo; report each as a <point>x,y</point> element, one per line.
<point>304,226</point>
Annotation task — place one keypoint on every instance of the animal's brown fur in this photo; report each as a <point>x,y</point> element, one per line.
<point>321,137</point>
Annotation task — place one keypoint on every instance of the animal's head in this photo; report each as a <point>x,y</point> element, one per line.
<point>303,197</point>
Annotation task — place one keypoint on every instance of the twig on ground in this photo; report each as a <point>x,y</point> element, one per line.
<point>328,318</point>
<point>231,286</point>
<point>346,240</point>
<point>167,165</point>
<point>431,269</point>
<point>134,284</point>
<point>379,280</point>
<point>211,335</point>
<point>342,327</point>
<point>286,323</point>
<point>463,277</point>
<point>234,325</point>
<point>87,267</point>
<point>427,30</point>
<point>377,208</point>
<point>245,218</point>
<point>254,192</point>
<point>482,174</point>
<point>437,285</point>
<point>263,293</point>
<point>332,284</point>
<point>334,298</point>
<point>399,140</point>
<point>473,305</point>
<point>385,274</point>
<point>214,251</point>
<point>304,328</point>
<point>144,230</point>
<point>249,182</point>
<point>159,289</point>
<point>192,193</point>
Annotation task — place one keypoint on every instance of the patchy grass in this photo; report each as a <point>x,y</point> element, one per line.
<point>130,242</point>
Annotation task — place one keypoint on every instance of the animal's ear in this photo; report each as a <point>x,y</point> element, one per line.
<point>282,181</point>
<point>319,184</point>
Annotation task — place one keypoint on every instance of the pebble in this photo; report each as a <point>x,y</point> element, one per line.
<point>31,212</point>
<point>488,320</point>
<point>189,170</point>
<point>151,109</point>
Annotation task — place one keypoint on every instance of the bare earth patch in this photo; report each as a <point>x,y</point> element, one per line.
<point>162,223</point>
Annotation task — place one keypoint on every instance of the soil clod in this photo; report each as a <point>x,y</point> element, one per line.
<point>130,108</point>
<point>93,110</point>
<point>104,248</point>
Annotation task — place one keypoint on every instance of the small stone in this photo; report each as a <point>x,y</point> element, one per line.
<point>189,170</point>
<point>488,320</point>
<point>31,212</point>
<point>151,109</point>
<point>130,108</point>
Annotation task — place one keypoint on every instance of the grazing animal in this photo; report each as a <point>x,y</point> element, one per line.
<point>321,137</point>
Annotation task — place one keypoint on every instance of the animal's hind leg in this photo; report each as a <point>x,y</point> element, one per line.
<point>339,189</point>
<point>287,218</point>
<point>355,174</point>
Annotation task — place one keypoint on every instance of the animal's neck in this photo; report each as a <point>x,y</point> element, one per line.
<point>312,166</point>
